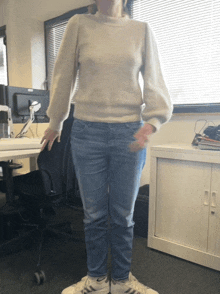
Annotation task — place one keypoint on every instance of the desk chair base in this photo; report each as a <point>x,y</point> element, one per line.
<point>41,189</point>
<point>11,228</point>
<point>40,276</point>
<point>24,239</point>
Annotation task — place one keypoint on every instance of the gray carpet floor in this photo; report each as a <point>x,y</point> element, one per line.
<point>64,263</point>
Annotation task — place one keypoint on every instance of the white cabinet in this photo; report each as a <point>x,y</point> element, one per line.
<point>184,206</point>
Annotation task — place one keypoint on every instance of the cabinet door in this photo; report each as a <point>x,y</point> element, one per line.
<point>214,213</point>
<point>182,202</point>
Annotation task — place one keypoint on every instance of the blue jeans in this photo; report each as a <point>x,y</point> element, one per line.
<point>109,176</point>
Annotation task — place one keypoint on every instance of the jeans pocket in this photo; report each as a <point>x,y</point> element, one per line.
<point>134,126</point>
<point>78,126</point>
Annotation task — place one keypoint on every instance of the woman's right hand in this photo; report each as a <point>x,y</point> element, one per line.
<point>49,136</point>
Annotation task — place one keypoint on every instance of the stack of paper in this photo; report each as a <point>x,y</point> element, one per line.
<point>206,143</point>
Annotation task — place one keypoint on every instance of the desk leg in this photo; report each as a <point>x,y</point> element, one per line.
<point>8,178</point>
<point>33,163</point>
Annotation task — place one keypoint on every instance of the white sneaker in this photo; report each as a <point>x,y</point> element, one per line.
<point>89,284</point>
<point>130,286</point>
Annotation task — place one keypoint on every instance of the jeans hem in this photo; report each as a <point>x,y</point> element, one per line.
<point>124,279</point>
<point>97,276</point>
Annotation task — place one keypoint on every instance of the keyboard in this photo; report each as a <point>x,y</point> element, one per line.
<point>7,144</point>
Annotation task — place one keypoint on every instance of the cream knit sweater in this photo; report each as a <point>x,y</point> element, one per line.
<point>109,53</point>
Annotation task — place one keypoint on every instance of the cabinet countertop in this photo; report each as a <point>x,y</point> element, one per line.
<point>185,151</point>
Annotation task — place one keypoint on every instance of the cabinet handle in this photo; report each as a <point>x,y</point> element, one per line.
<point>206,200</point>
<point>214,196</point>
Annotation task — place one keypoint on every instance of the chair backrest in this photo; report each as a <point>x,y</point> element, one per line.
<point>56,166</point>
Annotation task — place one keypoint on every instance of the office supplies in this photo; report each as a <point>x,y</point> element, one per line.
<point>213,132</point>
<point>206,143</point>
<point>209,139</point>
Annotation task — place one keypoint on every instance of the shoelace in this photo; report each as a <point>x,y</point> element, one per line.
<point>136,287</point>
<point>81,285</point>
<point>101,279</point>
<point>86,291</point>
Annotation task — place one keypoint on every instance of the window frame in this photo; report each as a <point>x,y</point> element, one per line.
<point>3,34</point>
<point>197,108</point>
<point>178,108</point>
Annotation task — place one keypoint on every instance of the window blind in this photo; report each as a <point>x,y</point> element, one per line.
<point>3,57</point>
<point>187,33</point>
<point>188,38</point>
<point>54,31</point>
<point>54,35</point>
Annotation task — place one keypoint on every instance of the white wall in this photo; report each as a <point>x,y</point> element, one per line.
<point>3,11</point>
<point>24,20</point>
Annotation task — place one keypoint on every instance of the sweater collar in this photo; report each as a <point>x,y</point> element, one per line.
<point>111,20</point>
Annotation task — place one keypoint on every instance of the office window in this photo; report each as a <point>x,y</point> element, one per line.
<point>3,57</point>
<point>188,38</point>
<point>54,30</point>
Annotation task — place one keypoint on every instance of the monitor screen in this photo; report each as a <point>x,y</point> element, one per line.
<point>19,100</point>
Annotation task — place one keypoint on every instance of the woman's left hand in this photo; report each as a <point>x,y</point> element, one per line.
<point>142,137</point>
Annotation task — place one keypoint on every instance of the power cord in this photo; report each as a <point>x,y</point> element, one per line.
<point>198,136</point>
<point>202,129</point>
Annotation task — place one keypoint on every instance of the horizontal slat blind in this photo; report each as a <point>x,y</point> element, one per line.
<point>188,37</point>
<point>54,35</point>
<point>3,57</point>
<point>54,31</point>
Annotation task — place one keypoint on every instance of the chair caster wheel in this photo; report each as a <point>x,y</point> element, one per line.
<point>40,277</point>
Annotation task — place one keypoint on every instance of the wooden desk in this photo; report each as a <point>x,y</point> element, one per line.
<point>18,154</point>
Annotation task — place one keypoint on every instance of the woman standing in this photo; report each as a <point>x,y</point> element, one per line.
<point>109,132</point>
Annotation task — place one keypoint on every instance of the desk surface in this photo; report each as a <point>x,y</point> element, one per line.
<point>185,152</point>
<point>18,154</point>
<point>7,144</point>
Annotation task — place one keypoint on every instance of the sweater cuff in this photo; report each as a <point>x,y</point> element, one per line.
<point>154,122</point>
<point>55,125</point>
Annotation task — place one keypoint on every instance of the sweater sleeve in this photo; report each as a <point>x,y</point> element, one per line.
<point>158,105</point>
<point>64,75</point>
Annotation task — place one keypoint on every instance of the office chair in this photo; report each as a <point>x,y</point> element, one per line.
<point>41,193</point>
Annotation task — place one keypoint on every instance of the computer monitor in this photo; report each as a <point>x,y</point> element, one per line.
<point>19,100</point>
